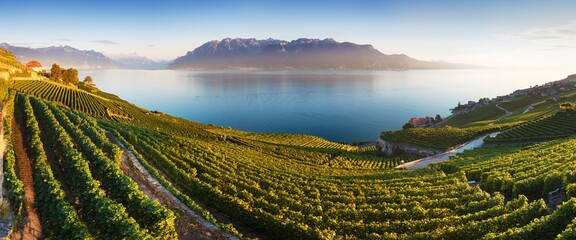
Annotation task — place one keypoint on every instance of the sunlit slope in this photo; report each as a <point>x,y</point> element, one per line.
<point>9,64</point>
<point>99,104</point>
<point>282,191</point>
<point>524,108</point>
<point>525,116</point>
<point>561,124</point>
<point>534,170</point>
<point>298,140</point>
<point>442,138</point>
<point>292,197</point>
<point>300,187</point>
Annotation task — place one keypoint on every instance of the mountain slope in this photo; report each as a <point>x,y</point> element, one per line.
<point>297,54</point>
<point>65,56</point>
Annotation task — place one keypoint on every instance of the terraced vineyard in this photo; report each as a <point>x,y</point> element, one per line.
<point>562,124</point>
<point>283,196</point>
<point>533,171</point>
<point>278,192</point>
<point>478,117</point>
<point>13,184</point>
<point>371,159</point>
<point>300,140</point>
<point>442,138</point>
<point>78,100</point>
<point>275,186</point>
<point>317,150</point>
<point>295,140</point>
<point>108,204</point>
<point>107,106</point>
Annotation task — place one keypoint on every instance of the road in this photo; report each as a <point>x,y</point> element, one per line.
<point>445,156</point>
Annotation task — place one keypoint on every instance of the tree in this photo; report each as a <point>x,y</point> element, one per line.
<point>88,80</point>
<point>407,126</point>
<point>73,76</point>
<point>65,76</point>
<point>56,72</point>
<point>70,76</point>
<point>438,118</point>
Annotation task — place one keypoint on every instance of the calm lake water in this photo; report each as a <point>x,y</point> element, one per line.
<point>343,106</point>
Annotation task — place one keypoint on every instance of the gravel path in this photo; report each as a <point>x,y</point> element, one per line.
<point>190,225</point>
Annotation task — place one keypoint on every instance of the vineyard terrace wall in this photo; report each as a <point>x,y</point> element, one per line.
<point>389,148</point>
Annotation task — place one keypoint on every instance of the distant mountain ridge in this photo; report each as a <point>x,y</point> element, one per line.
<point>238,53</point>
<point>302,53</point>
<point>64,56</point>
<point>135,61</point>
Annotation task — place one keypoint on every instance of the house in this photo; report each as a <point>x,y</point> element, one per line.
<point>34,66</point>
<point>421,122</point>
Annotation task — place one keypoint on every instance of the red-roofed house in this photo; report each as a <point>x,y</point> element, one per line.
<point>34,66</point>
<point>421,122</point>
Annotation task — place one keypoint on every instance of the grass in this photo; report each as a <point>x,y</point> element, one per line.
<point>518,105</point>
<point>485,114</point>
<point>541,107</point>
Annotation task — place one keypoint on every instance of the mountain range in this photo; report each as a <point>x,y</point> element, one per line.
<point>239,53</point>
<point>135,61</point>
<point>302,53</point>
<point>64,56</point>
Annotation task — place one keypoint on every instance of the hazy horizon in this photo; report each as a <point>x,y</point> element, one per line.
<point>509,34</point>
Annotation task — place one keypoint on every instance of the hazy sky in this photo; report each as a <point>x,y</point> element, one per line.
<point>499,33</point>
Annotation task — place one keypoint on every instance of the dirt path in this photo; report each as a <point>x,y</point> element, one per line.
<point>29,227</point>
<point>527,109</point>
<point>503,109</point>
<point>2,150</point>
<point>189,225</point>
<point>506,113</point>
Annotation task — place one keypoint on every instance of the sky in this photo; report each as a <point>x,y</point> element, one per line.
<point>503,33</point>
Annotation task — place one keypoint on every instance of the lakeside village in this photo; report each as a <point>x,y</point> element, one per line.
<point>551,90</point>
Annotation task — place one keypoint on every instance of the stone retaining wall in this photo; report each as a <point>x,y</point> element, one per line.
<point>389,148</point>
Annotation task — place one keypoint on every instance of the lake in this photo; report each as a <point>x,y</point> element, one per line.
<point>342,106</point>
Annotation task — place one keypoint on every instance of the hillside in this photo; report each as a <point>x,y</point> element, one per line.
<point>526,116</point>
<point>9,65</point>
<point>65,56</point>
<point>297,54</point>
<point>10,68</point>
<point>120,171</point>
